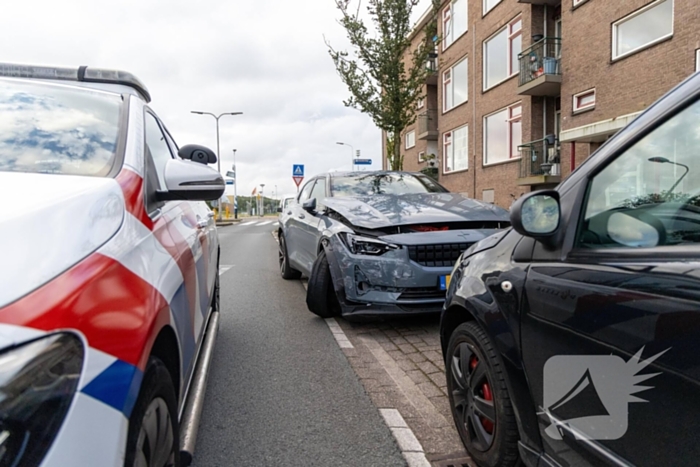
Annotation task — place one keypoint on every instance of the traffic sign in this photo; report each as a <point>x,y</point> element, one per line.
<point>363,161</point>
<point>231,174</point>
<point>229,181</point>
<point>298,180</point>
<point>298,170</point>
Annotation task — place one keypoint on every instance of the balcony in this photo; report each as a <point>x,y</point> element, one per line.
<point>427,125</point>
<point>539,163</point>
<point>432,65</point>
<point>540,68</point>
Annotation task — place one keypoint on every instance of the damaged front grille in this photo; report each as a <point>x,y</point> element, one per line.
<point>443,255</point>
<point>424,293</point>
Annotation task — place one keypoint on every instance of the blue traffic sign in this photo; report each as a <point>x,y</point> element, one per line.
<point>298,170</point>
<point>363,161</point>
<point>229,181</point>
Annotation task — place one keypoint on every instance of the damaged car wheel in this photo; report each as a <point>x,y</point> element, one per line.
<point>320,295</point>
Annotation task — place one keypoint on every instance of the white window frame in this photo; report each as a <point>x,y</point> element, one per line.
<point>448,18</point>
<point>421,157</point>
<point>583,108</point>
<point>411,133</point>
<point>445,144</point>
<point>450,80</point>
<point>578,2</point>
<point>510,35</point>
<point>483,7</point>
<point>421,103</point>
<point>634,15</point>
<point>510,119</point>
<point>697,60</point>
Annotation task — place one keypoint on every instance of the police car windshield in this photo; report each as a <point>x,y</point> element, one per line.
<point>47,128</point>
<point>383,184</point>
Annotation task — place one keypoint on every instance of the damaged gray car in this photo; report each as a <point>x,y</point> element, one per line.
<point>379,243</point>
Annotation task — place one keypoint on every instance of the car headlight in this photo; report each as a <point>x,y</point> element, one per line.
<point>360,245</point>
<point>37,383</point>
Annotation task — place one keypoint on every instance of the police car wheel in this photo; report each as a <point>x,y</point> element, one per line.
<point>153,439</point>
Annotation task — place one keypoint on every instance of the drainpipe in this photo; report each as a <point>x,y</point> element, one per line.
<point>474,75</point>
<point>573,155</point>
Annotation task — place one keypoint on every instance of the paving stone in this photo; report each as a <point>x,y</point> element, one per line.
<point>399,340</point>
<point>388,346</point>
<point>433,356</point>
<point>407,348</point>
<point>430,390</point>
<point>417,357</point>
<point>406,364</point>
<point>420,345</point>
<point>438,378</point>
<point>413,339</point>
<point>427,367</point>
<point>417,376</point>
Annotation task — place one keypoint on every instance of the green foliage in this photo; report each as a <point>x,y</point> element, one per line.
<point>380,82</point>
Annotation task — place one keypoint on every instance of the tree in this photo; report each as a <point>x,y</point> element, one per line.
<point>385,76</point>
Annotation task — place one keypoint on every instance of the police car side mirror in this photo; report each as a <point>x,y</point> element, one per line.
<point>187,180</point>
<point>197,153</point>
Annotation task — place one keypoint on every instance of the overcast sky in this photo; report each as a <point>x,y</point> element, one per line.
<point>264,58</point>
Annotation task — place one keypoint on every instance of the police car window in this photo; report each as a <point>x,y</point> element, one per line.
<point>158,147</point>
<point>55,129</point>
<point>650,195</point>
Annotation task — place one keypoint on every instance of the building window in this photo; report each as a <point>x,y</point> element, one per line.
<point>410,139</point>
<point>454,86</point>
<point>488,196</point>
<point>455,150</point>
<point>454,22</point>
<point>501,54</point>
<point>421,103</point>
<point>421,157</point>
<point>502,135</point>
<point>697,60</point>
<point>489,4</point>
<point>584,101</point>
<point>643,28</point>
<point>578,2</point>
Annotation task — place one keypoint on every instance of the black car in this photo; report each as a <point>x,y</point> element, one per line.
<point>574,337</point>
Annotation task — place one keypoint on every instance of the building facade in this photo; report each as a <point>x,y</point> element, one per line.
<point>523,91</point>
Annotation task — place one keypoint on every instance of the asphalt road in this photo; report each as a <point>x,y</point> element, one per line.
<point>281,392</point>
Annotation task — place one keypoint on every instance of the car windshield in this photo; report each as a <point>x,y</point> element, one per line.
<point>46,128</point>
<point>383,184</point>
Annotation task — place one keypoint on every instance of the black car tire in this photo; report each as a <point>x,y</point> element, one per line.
<point>286,270</point>
<point>320,294</point>
<point>488,390</point>
<point>216,299</point>
<point>156,407</point>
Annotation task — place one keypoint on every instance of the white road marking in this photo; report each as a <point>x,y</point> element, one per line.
<point>249,223</point>
<point>276,224</point>
<point>339,335</point>
<point>223,269</point>
<point>410,447</point>
<point>264,223</point>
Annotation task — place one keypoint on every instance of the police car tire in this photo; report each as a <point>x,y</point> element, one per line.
<point>157,383</point>
<point>320,294</point>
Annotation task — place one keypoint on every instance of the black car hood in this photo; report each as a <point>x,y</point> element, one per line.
<point>379,211</point>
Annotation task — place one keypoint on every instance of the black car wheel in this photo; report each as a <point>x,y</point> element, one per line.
<point>479,398</point>
<point>320,295</point>
<point>285,269</point>
<point>154,438</point>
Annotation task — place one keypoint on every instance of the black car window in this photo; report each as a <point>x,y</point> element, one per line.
<point>304,195</point>
<point>57,129</point>
<point>650,195</point>
<point>383,183</point>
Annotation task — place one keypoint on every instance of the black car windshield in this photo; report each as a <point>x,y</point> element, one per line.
<point>47,128</point>
<point>383,184</point>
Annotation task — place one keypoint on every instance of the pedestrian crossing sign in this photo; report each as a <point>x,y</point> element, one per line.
<point>297,170</point>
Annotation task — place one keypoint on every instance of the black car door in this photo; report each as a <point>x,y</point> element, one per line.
<point>611,332</point>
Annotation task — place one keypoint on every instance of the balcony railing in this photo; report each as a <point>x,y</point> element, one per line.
<point>432,65</point>
<point>427,125</point>
<point>539,158</point>
<point>543,58</point>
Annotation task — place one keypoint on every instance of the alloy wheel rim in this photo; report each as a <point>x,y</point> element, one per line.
<point>281,254</point>
<point>472,396</point>
<point>154,447</point>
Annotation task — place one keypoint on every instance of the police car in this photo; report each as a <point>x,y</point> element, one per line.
<point>109,275</point>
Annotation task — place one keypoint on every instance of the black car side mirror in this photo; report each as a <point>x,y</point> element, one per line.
<point>537,215</point>
<point>279,209</point>
<point>197,153</point>
<point>309,205</point>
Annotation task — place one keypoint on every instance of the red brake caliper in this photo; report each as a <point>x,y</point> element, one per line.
<point>488,396</point>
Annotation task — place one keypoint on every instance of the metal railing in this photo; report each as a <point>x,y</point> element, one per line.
<point>538,158</point>
<point>542,58</point>
<point>427,121</point>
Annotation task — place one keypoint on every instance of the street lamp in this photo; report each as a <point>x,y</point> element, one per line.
<point>663,160</point>
<point>352,151</point>
<point>235,187</point>
<point>218,156</point>
<point>262,199</point>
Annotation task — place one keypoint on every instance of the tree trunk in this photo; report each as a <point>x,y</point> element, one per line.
<point>396,159</point>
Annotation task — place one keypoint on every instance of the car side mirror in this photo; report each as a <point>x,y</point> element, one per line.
<point>537,215</point>
<point>279,209</point>
<point>187,180</point>
<point>309,205</point>
<point>197,153</point>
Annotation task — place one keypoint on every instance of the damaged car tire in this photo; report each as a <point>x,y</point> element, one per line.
<point>320,295</point>
<point>285,269</point>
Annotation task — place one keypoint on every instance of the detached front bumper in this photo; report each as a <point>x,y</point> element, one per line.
<point>409,280</point>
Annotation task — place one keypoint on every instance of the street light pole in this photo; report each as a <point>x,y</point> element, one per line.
<point>235,186</point>
<point>218,153</point>
<point>262,199</point>
<point>352,151</point>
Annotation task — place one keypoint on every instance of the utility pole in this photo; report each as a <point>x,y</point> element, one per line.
<point>235,187</point>
<point>262,199</point>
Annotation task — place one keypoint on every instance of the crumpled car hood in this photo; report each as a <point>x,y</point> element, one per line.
<point>379,211</point>
<point>48,223</point>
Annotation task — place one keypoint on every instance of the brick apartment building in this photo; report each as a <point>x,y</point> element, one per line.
<point>524,90</point>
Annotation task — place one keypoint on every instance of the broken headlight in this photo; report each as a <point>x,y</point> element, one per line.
<point>37,383</point>
<point>360,245</point>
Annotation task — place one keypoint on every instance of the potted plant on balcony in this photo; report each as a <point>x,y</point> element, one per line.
<point>432,170</point>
